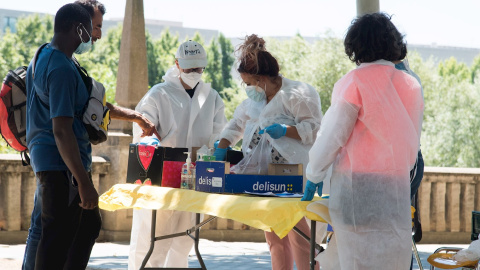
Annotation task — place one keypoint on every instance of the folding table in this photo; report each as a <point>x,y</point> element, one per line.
<point>266,213</point>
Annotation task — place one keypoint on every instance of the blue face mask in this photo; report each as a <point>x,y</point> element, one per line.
<point>84,46</point>
<point>255,93</point>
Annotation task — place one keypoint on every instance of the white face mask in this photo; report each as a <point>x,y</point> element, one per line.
<point>191,79</point>
<point>255,92</point>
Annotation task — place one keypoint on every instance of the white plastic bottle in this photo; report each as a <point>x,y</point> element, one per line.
<point>188,174</point>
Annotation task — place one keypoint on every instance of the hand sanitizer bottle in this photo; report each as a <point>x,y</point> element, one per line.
<point>188,174</point>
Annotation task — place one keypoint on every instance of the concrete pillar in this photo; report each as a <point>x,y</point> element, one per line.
<point>132,76</point>
<point>367,6</point>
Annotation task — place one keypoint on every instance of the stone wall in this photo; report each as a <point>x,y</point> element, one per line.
<point>447,197</point>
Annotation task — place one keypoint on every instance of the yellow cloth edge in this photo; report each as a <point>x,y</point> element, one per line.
<point>279,215</point>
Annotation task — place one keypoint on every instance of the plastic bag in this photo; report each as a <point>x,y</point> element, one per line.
<point>472,253</point>
<point>256,159</point>
<point>329,259</point>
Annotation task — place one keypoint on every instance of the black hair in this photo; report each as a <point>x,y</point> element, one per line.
<point>373,37</point>
<point>255,59</point>
<point>91,5</point>
<point>69,15</point>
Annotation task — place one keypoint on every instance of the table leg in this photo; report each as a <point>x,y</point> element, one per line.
<point>313,232</point>
<point>197,240</point>
<point>152,239</point>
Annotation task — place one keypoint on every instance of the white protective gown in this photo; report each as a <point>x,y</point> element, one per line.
<point>371,134</point>
<point>181,122</point>
<point>295,104</point>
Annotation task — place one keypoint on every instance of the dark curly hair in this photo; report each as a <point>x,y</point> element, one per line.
<point>255,59</point>
<point>91,5</point>
<point>373,37</point>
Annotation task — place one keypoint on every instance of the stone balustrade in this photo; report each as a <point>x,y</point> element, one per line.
<point>447,196</point>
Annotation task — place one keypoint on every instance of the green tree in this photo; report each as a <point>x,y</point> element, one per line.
<point>212,73</point>
<point>452,69</point>
<point>475,69</point>
<point>226,49</point>
<point>33,31</point>
<point>166,47</point>
<point>320,64</point>
<point>153,61</point>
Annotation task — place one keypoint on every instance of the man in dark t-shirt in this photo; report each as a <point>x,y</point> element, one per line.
<point>59,146</point>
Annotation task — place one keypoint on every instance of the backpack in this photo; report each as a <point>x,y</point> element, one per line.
<point>95,115</point>
<point>13,109</point>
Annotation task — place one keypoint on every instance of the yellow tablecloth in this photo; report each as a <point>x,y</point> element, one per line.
<point>266,213</point>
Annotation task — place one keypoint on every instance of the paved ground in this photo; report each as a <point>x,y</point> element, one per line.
<point>217,255</point>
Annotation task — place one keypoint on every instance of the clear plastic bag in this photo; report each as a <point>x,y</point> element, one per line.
<point>256,158</point>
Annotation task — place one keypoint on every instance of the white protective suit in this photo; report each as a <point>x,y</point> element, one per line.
<point>181,122</point>
<point>371,134</point>
<point>295,104</point>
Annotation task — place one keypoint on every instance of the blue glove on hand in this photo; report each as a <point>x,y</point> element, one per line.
<point>275,131</point>
<point>150,141</point>
<point>215,145</point>
<point>220,154</point>
<point>310,189</point>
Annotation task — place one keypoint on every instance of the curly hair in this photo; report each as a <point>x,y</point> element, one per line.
<point>255,59</point>
<point>373,37</point>
<point>91,5</point>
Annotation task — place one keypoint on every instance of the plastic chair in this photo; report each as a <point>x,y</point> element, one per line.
<point>442,257</point>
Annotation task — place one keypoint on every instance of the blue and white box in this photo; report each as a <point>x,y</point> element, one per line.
<point>214,177</point>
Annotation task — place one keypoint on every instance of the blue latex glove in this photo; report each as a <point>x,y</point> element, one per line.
<point>275,131</point>
<point>220,154</point>
<point>150,141</point>
<point>215,145</point>
<point>310,189</point>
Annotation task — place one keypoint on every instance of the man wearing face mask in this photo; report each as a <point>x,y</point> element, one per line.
<point>187,113</point>
<point>96,11</point>
<point>59,147</point>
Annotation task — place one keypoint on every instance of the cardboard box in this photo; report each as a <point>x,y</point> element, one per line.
<point>146,161</point>
<point>213,177</point>
<point>193,155</point>
<point>285,169</point>
<point>210,175</point>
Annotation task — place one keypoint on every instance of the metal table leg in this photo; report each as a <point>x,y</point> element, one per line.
<point>313,231</point>
<point>195,238</point>
<point>311,240</point>
<point>152,239</point>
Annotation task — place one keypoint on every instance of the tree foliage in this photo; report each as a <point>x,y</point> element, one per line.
<point>451,89</point>
<point>320,64</point>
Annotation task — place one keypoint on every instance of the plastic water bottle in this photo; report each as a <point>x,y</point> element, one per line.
<point>188,174</point>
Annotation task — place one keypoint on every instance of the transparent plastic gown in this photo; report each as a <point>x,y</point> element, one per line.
<point>371,136</point>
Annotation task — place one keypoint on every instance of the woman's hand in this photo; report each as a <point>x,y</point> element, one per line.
<point>276,131</point>
<point>310,189</point>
